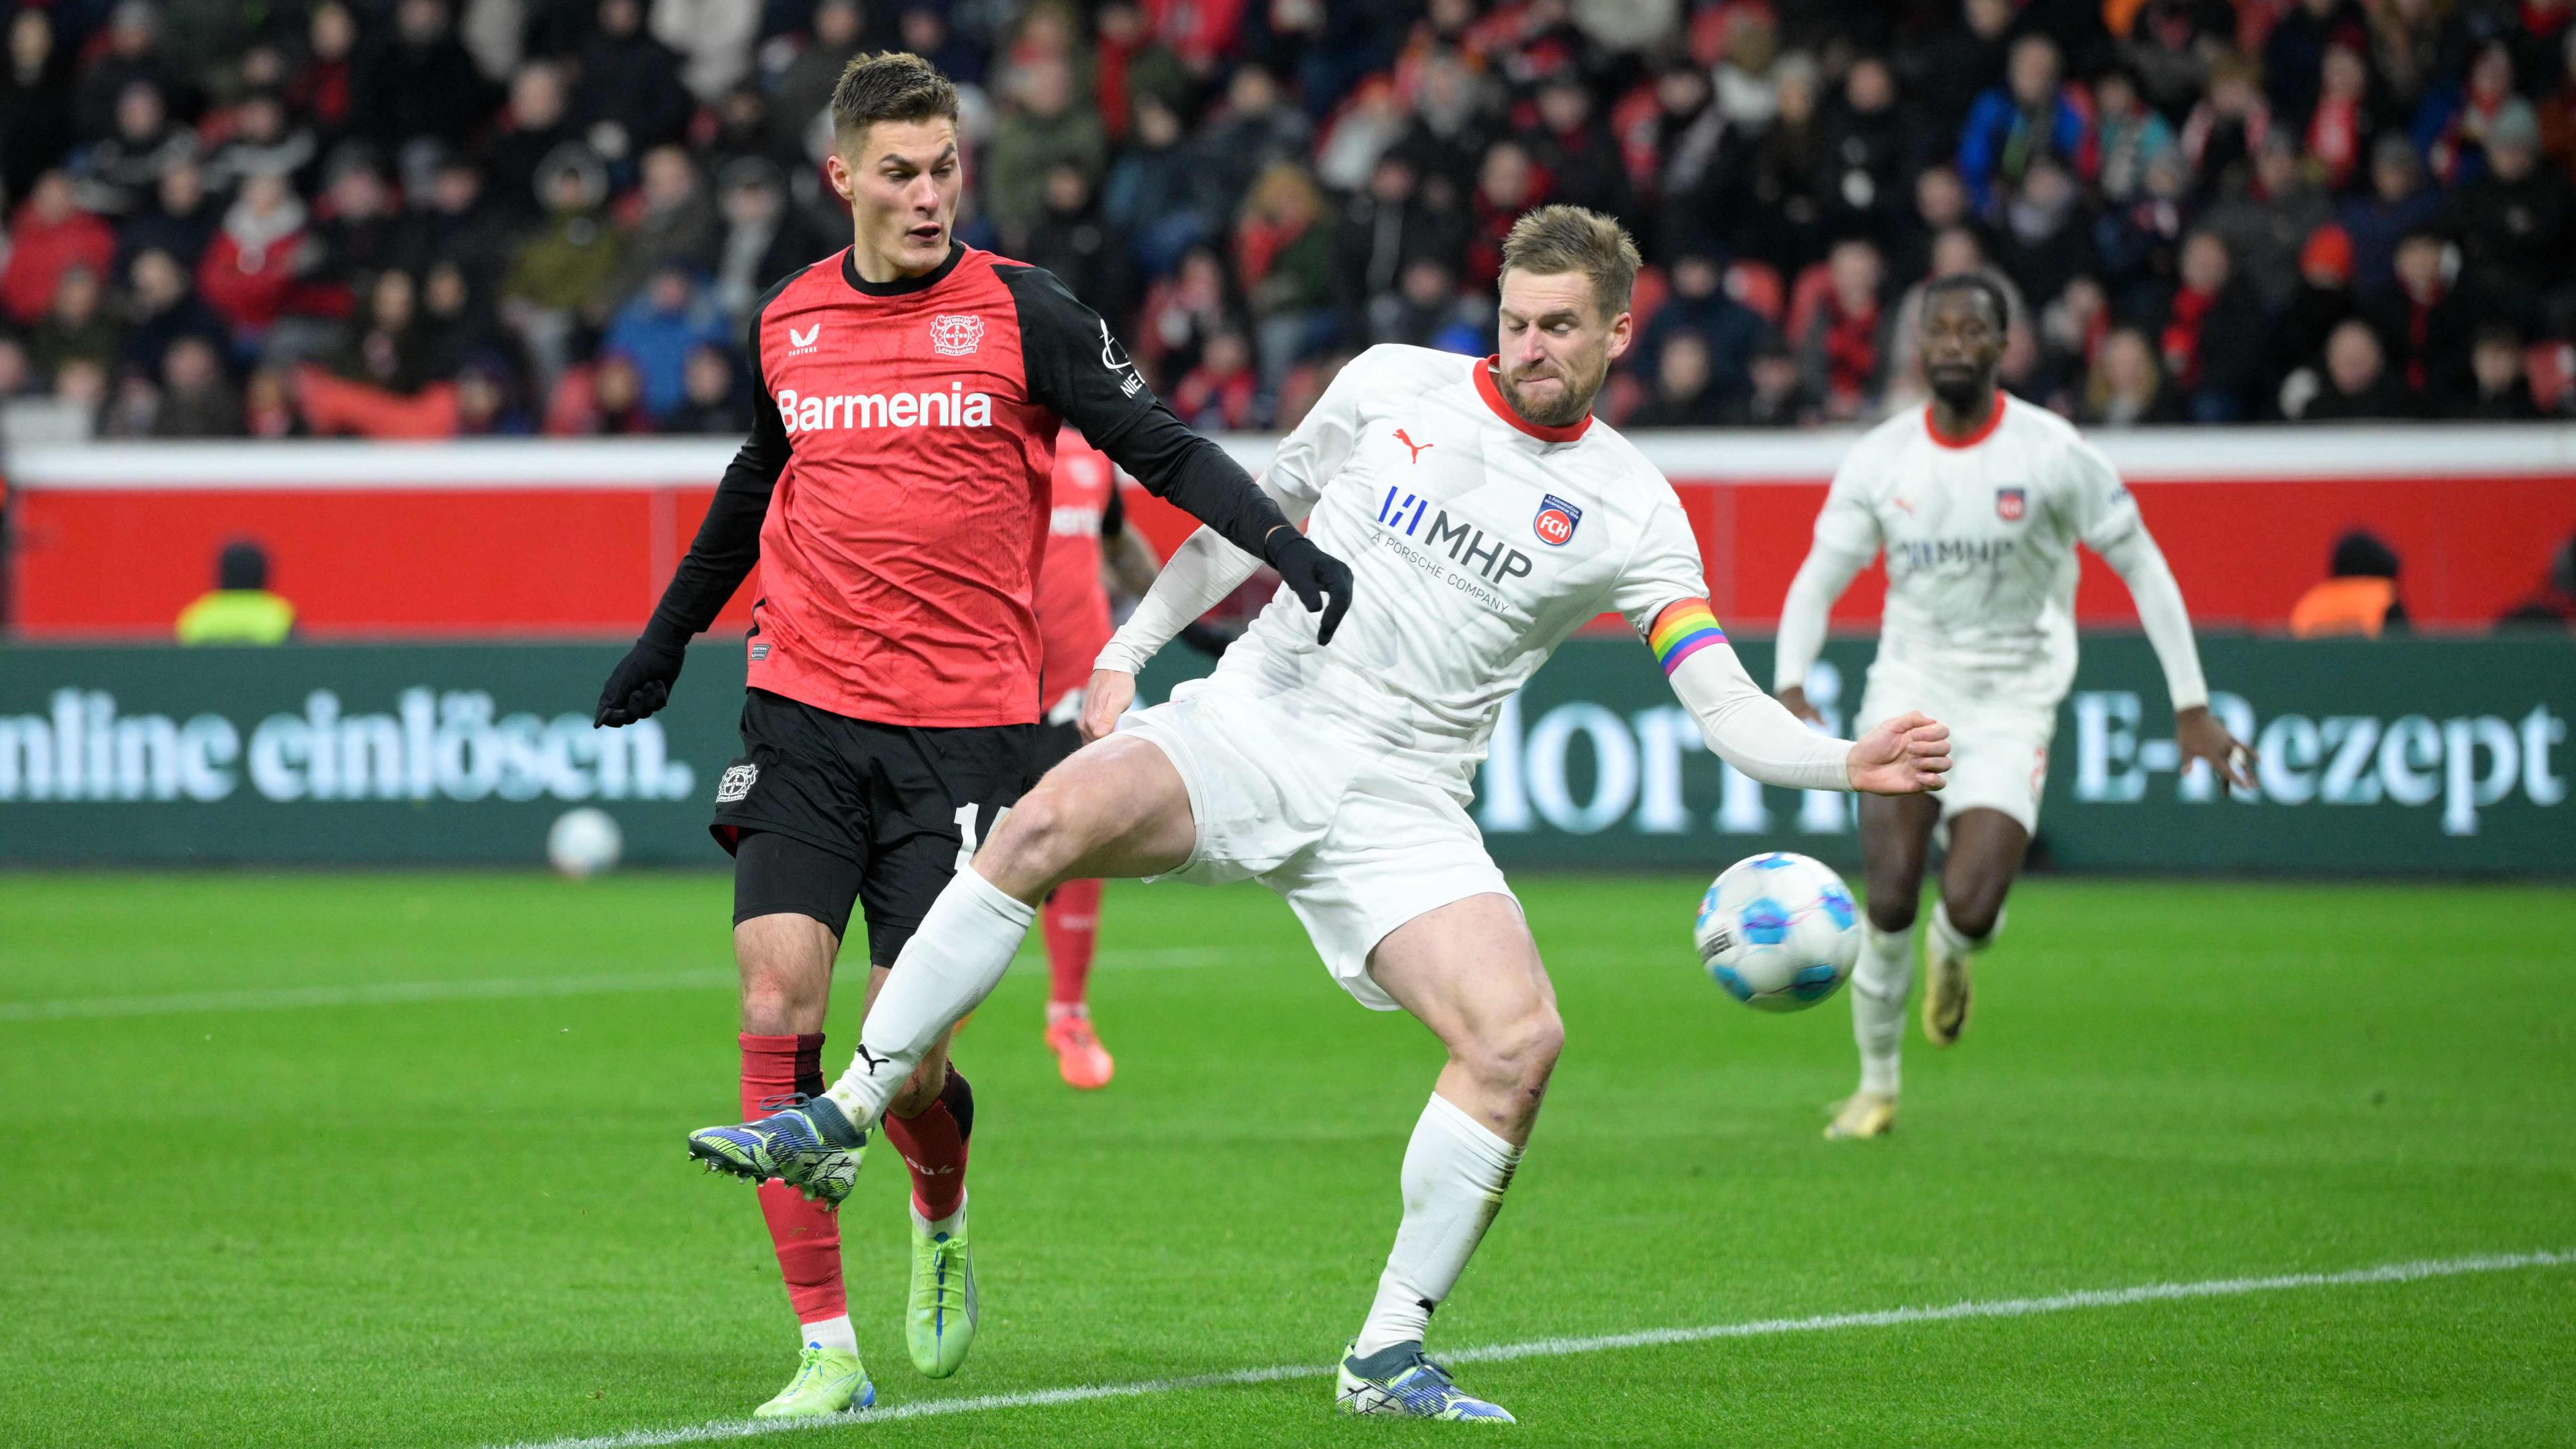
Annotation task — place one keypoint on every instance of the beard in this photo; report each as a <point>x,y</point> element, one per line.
<point>1568,407</point>
<point>1962,391</point>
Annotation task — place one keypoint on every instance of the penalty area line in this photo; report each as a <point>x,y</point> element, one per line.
<point>2413,1272</point>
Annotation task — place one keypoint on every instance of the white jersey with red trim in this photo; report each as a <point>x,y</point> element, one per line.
<point>1479,542</point>
<point>1980,538</point>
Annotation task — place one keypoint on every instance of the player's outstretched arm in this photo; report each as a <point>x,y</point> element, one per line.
<point>1758,735</point>
<point>1846,539</point>
<point>2197,733</point>
<point>719,559</point>
<point>1076,367</point>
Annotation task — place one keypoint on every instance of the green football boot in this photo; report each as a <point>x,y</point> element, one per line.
<point>940,1325</point>
<point>805,1143</point>
<point>828,1381</point>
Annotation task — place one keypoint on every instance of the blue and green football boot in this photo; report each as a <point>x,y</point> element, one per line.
<point>1401,1382</point>
<point>807,1144</point>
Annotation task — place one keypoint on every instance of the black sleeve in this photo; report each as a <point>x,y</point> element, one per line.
<point>1079,370</point>
<point>728,541</point>
<point>1113,515</point>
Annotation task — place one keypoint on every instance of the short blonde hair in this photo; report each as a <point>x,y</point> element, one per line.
<point>1557,239</point>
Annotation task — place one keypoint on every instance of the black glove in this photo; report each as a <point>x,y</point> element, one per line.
<point>1319,580</point>
<point>641,682</point>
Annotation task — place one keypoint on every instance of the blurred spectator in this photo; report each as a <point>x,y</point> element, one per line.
<point>1181,313</point>
<point>1151,195</point>
<point>2264,213</point>
<point>1284,258</point>
<point>131,52</point>
<point>712,398</point>
<point>534,126</point>
<point>2071,329</point>
<point>2322,301</point>
<point>262,140</point>
<point>1446,139</point>
<point>180,218</point>
<point>2043,241</point>
<point>1071,242</point>
<point>1870,146</point>
<point>325,87</point>
<point>2501,392</point>
<point>197,400</point>
<point>617,397</point>
<point>1424,310</point>
<point>1768,194</point>
<point>2517,227</point>
<point>2294,52</point>
<point>2553,604</point>
<point>630,96</point>
<point>2356,387</point>
<point>164,309</point>
<point>1383,231</point>
<point>2452,125</point>
<point>268,408</point>
<point>2126,388</point>
<point>252,262</point>
<point>2128,135</point>
<point>1042,130</point>
<point>49,236</point>
<point>1255,129</point>
<point>35,101</point>
<point>659,329</point>
<point>765,238</point>
<point>2558,107</point>
<point>17,372</point>
<point>804,89</point>
<point>2031,115</point>
<point>2214,335</point>
<point>2343,126</point>
<point>1949,72</point>
<point>2229,123</point>
<point>2358,596</point>
<point>1683,395</point>
<point>1219,393</point>
<point>358,230</point>
<point>78,327</point>
<point>1729,332</point>
<point>2424,325</point>
<point>240,609</point>
<point>422,83</point>
<point>386,344</point>
<point>673,224</point>
<point>713,38</point>
<point>116,172</point>
<point>2398,203</point>
<point>1842,351</point>
<point>486,407</point>
<point>1575,149</point>
<point>1777,399</point>
<point>1506,186</point>
<point>559,277</point>
<point>456,223</point>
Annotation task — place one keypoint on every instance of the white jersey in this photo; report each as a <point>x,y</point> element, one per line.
<point>1478,542</point>
<point>1980,540</point>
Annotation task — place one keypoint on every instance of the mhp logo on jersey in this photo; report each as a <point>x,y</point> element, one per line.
<point>1556,520</point>
<point>2009,503</point>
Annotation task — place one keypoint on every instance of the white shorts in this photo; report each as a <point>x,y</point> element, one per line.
<point>1998,740</point>
<point>1356,849</point>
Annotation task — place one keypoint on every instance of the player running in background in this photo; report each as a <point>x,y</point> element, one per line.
<point>1979,500</point>
<point>1089,547</point>
<point>894,494</point>
<point>1489,516</point>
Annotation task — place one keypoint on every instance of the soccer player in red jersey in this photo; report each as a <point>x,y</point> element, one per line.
<point>1089,548</point>
<point>894,494</point>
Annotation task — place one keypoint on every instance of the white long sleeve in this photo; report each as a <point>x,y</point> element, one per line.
<point>1197,577</point>
<point>2141,565</point>
<point>1752,731</point>
<point>1821,580</point>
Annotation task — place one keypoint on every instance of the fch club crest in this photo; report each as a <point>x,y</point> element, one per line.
<point>1556,521</point>
<point>955,335</point>
<point>2009,503</point>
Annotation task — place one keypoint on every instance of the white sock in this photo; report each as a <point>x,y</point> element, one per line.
<point>950,965</point>
<point>1951,939</point>
<point>830,1333</point>
<point>1454,1175</point>
<point>953,1223</point>
<point>1880,983</point>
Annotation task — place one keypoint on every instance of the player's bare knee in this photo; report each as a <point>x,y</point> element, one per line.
<point>1518,1054</point>
<point>1974,914</point>
<point>1031,850</point>
<point>1892,915</point>
<point>779,1002</point>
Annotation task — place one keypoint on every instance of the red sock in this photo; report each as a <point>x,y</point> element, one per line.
<point>1072,923</point>
<point>806,1234</point>
<point>933,1145</point>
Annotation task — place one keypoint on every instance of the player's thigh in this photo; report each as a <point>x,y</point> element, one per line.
<point>1986,851</point>
<point>1470,971</point>
<point>792,902</point>
<point>1895,844</point>
<point>1116,809</point>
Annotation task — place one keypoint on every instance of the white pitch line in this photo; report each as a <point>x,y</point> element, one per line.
<point>1561,1347</point>
<point>503,988</point>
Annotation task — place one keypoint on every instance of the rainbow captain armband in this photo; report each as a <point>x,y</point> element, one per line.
<point>1684,628</point>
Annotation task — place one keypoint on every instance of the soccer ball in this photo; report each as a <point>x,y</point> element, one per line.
<point>1778,931</point>
<point>584,842</point>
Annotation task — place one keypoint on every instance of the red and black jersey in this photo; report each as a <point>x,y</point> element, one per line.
<point>1073,601</point>
<point>895,487</point>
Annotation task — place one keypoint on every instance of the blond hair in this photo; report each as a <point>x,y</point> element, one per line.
<point>1557,239</point>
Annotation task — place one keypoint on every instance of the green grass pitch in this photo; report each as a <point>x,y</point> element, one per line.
<point>396,1160</point>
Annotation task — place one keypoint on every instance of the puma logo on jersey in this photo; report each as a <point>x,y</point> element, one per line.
<point>805,340</point>
<point>1418,448</point>
<point>955,408</point>
<point>870,1059</point>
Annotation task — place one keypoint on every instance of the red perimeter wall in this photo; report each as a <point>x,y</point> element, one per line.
<point>481,559</point>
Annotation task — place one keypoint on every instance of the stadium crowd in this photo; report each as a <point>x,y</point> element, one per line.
<point>425,218</point>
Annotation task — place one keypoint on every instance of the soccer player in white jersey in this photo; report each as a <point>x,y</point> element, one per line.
<point>1485,515</point>
<point>1978,500</point>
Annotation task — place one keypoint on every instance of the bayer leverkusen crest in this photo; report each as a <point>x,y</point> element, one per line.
<point>952,335</point>
<point>2009,503</point>
<point>1555,522</point>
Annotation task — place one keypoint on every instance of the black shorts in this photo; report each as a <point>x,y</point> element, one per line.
<point>1056,744</point>
<point>877,814</point>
